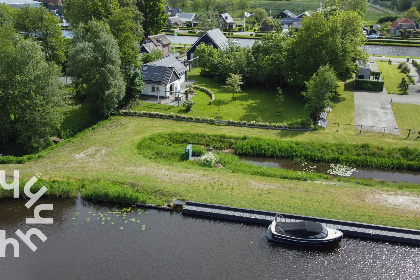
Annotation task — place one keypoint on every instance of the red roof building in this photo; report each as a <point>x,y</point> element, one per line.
<point>403,24</point>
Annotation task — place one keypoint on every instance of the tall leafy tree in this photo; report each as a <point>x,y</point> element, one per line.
<point>260,15</point>
<point>81,11</point>
<point>243,5</point>
<point>208,20</point>
<point>332,38</point>
<point>94,62</point>
<point>40,24</point>
<point>154,13</point>
<point>125,30</point>
<point>320,89</point>
<point>360,6</point>
<point>7,15</point>
<point>29,93</point>
<point>209,5</point>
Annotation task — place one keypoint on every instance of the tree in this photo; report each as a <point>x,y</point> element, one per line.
<point>413,14</point>
<point>125,30</point>
<point>334,39</point>
<point>208,20</point>
<point>29,93</point>
<point>209,5</point>
<point>279,99</point>
<point>243,5</point>
<point>233,83</point>
<point>81,11</point>
<point>7,15</point>
<point>224,6</point>
<point>94,62</point>
<point>196,4</point>
<point>260,15</point>
<point>154,13</point>
<point>155,54</point>
<point>40,24</point>
<point>182,4</point>
<point>404,5</point>
<point>360,6</point>
<point>320,89</point>
<point>134,87</point>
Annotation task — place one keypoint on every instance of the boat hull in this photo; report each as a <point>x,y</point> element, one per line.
<point>334,237</point>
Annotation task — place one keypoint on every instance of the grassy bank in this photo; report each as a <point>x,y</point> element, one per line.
<point>109,153</point>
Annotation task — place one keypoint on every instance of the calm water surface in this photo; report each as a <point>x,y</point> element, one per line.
<point>391,176</point>
<point>96,241</point>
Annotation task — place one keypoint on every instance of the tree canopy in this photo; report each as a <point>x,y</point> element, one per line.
<point>81,11</point>
<point>94,62</point>
<point>29,93</point>
<point>39,23</point>
<point>332,38</point>
<point>154,13</point>
<point>320,89</point>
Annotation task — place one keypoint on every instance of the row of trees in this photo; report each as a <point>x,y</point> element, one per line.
<point>101,60</point>
<point>329,41</point>
<point>219,6</point>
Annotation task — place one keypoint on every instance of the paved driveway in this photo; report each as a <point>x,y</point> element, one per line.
<point>373,111</point>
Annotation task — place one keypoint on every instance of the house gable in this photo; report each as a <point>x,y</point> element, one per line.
<point>213,38</point>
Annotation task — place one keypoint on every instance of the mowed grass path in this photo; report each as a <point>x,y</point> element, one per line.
<point>392,76</point>
<point>257,104</point>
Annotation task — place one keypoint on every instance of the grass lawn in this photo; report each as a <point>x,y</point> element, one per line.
<point>257,104</point>
<point>407,117</point>
<point>109,152</point>
<point>392,77</point>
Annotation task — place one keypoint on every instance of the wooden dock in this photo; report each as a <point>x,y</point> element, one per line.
<point>350,229</point>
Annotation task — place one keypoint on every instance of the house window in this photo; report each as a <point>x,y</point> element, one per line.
<point>155,88</point>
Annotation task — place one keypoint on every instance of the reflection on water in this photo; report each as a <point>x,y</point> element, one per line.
<point>82,245</point>
<point>392,176</point>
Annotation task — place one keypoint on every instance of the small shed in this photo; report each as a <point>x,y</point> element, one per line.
<point>364,71</point>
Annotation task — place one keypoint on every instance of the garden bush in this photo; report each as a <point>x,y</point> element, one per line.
<point>361,84</point>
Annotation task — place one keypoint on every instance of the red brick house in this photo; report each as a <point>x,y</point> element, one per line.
<point>403,24</point>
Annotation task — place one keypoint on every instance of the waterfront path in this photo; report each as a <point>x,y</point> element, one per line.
<point>349,229</point>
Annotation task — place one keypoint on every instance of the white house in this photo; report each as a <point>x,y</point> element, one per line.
<point>163,77</point>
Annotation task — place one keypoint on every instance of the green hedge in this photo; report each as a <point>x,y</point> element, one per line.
<point>363,155</point>
<point>360,84</point>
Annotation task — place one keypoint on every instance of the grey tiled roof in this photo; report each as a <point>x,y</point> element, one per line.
<point>170,61</point>
<point>159,75</point>
<point>218,38</point>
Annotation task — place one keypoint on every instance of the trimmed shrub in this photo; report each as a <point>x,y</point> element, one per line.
<point>361,84</point>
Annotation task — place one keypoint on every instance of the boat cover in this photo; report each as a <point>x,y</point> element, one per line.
<point>304,229</point>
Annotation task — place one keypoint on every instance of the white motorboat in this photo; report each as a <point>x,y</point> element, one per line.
<point>306,233</point>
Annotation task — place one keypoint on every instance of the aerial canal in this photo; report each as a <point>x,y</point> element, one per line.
<point>370,49</point>
<point>335,169</point>
<point>98,241</point>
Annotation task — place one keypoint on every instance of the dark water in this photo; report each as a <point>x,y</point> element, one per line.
<point>95,241</point>
<point>391,176</point>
